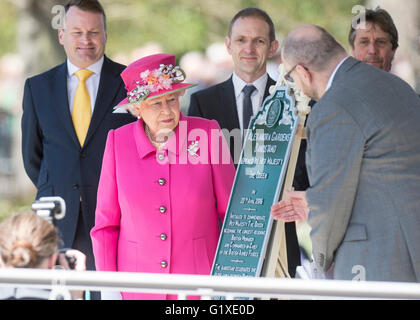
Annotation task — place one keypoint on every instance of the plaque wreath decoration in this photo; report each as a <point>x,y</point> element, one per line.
<point>248,244</point>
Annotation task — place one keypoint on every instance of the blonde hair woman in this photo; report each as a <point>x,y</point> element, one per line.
<point>29,241</point>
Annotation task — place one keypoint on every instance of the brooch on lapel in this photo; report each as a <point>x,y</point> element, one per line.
<point>193,148</point>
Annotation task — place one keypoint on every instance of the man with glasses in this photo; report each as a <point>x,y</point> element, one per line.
<point>287,76</point>
<point>362,159</point>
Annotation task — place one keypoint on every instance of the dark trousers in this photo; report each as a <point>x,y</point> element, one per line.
<point>83,243</point>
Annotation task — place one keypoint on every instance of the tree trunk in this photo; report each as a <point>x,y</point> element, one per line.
<point>38,47</point>
<point>37,40</point>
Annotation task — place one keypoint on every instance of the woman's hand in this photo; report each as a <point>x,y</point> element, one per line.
<point>77,256</point>
<point>79,265</point>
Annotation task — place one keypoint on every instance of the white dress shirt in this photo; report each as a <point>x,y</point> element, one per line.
<point>256,97</point>
<point>331,79</point>
<point>92,83</point>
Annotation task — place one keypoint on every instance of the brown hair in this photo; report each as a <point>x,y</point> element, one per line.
<point>381,18</point>
<point>87,5</point>
<point>256,13</point>
<point>26,240</point>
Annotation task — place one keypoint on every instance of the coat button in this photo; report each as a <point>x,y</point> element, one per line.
<point>161,156</point>
<point>163,237</point>
<point>162,181</point>
<point>75,186</point>
<point>163,264</point>
<point>162,209</point>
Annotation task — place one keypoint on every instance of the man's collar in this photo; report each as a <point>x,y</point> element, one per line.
<point>95,68</point>
<point>239,84</point>
<point>331,79</point>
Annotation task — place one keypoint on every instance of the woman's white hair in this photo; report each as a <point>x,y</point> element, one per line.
<point>134,108</point>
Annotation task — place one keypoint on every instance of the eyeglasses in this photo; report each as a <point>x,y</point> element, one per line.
<point>288,77</point>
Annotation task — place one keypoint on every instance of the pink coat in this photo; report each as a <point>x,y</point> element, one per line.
<point>162,218</point>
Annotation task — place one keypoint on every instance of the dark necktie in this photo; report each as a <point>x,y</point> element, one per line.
<point>247,104</point>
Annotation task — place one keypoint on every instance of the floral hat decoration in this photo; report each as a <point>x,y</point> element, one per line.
<point>151,77</point>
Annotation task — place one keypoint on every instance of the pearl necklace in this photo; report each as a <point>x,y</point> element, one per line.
<point>157,145</point>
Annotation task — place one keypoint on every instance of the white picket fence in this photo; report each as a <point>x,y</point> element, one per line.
<point>208,286</point>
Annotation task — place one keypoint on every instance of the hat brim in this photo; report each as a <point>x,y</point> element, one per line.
<point>176,87</point>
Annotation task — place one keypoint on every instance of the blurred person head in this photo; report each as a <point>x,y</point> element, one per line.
<point>251,41</point>
<point>154,85</point>
<point>84,35</point>
<point>11,67</point>
<point>310,54</point>
<point>28,241</point>
<point>145,50</point>
<point>377,43</point>
<point>197,67</point>
<point>219,61</point>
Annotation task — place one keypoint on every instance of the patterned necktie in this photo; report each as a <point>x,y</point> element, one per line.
<point>247,106</point>
<point>81,106</point>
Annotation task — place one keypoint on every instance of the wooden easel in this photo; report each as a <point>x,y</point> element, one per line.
<point>275,265</point>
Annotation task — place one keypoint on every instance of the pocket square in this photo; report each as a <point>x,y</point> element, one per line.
<point>120,110</point>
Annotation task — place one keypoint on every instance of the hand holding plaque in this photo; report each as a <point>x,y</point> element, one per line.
<point>293,208</point>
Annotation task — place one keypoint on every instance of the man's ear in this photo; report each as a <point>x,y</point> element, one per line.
<point>304,73</point>
<point>60,36</point>
<point>393,54</point>
<point>273,48</point>
<point>227,43</point>
<point>352,51</point>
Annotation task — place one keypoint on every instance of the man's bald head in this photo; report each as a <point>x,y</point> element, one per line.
<point>312,47</point>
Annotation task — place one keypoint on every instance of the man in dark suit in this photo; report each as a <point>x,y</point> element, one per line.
<point>251,41</point>
<point>62,146</point>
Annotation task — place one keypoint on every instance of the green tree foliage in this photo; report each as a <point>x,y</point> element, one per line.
<point>185,25</point>
<point>7,27</point>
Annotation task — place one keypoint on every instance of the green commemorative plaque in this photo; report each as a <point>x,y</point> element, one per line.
<point>258,183</point>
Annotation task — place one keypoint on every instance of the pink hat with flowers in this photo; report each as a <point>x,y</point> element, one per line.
<point>151,77</point>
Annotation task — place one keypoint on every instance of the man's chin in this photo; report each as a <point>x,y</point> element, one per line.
<point>376,64</point>
<point>87,59</point>
<point>251,68</point>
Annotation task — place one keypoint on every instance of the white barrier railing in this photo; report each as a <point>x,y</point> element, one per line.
<point>208,286</point>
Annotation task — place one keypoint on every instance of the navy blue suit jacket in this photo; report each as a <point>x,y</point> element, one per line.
<point>52,155</point>
<point>219,103</point>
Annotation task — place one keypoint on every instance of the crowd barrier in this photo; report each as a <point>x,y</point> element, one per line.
<point>208,286</point>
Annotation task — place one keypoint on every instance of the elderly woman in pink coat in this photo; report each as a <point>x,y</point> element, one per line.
<point>165,181</point>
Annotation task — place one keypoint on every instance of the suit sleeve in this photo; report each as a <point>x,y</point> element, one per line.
<point>31,136</point>
<point>223,170</point>
<point>194,110</point>
<point>334,157</point>
<point>106,231</point>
